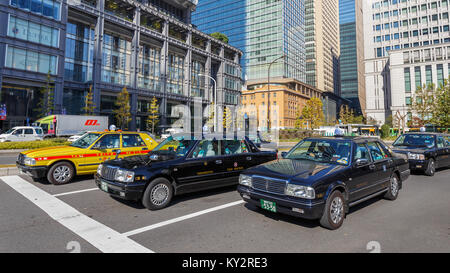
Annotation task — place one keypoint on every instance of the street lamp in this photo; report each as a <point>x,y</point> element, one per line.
<point>215,99</point>
<point>268,91</point>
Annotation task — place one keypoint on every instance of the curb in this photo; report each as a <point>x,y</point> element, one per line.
<point>9,171</point>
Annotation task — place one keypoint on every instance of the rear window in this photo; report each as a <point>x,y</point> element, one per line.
<point>29,131</point>
<point>39,131</point>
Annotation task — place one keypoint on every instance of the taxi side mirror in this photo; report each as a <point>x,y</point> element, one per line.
<point>360,162</point>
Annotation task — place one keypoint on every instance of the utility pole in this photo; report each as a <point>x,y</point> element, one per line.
<point>268,91</point>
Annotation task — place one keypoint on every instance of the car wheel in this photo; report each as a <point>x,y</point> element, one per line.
<point>393,189</point>
<point>61,173</point>
<point>158,194</point>
<point>334,212</point>
<point>431,168</point>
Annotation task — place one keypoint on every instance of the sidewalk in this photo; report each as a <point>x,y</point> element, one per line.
<point>5,171</point>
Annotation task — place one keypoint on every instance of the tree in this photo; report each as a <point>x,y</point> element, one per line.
<point>313,113</point>
<point>122,113</point>
<point>89,105</point>
<point>46,104</point>
<point>227,118</point>
<point>347,116</point>
<point>441,110</point>
<point>220,36</point>
<point>153,115</point>
<point>423,102</point>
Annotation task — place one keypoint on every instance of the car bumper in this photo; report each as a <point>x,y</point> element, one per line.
<point>418,164</point>
<point>33,171</point>
<point>130,191</point>
<point>284,206</point>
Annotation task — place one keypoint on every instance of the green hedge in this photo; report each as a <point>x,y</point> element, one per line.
<point>33,144</point>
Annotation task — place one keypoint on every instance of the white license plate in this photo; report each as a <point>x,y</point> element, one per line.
<point>104,186</point>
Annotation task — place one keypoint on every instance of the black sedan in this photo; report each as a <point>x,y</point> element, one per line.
<point>426,151</point>
<point>320,178</point>
<point>180,164</point>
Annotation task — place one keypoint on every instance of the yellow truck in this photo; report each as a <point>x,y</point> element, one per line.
<point>60,164</point>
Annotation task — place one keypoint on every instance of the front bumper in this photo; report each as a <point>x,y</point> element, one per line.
<point>418,164</point>
<point>129,191</point>
<point>33,171</point>
<point>285,205</point>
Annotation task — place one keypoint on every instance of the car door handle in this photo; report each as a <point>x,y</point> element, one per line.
<point>372,167</point>
<point>218,161</point>
<point>249,158</point>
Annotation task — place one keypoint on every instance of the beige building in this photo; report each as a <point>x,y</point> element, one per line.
<point>287,99</point>
<point>322,44</point>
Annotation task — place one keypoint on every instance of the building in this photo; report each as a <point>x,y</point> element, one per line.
<point>263,30</point>
<point>352,54</point>
<point>287,99</point>
<point>148,46</point>
<point>394,25</point>
<point>412,67</point>
<point>332,106</point>
<point>322,44</point>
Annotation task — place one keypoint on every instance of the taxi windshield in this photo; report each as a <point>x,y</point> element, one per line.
<point>322,150</point>
<point>179,145</point>
<point>85,141</point>
<point>9,131</point>
<point>415,140</point>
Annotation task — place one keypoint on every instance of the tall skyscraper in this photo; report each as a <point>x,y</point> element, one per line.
<point>392,25</point>
<point>352,53</point>
<point>263,30</point>
<point>322,44</point>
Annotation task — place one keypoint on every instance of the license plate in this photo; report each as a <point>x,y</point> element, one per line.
<point>104,186</point>
<point>268,205</point>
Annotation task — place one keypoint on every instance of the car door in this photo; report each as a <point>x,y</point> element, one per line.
<point>384,166</point>
<point>17,135</point>
<point>237,157</point>
<point>442,153</point>
<point>362,176</point>
<point>29,134</point>
<point>103,149</point>
<point>132,144</point>
<point>203,168</point>
<point>447,149</point>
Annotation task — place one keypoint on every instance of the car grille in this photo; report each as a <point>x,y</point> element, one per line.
<point>108,172</point>
<point>21,158</point>
<point>269,185</point>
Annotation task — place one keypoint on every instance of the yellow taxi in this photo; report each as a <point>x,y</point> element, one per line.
<point>60,164</point>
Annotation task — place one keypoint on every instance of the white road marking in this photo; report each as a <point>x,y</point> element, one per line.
<point>95,233</point>
<point>182,218</point>
<point>73,192</point>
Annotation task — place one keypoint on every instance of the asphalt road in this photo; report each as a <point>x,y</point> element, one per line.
<point>8,159</point>
<point>40,217</point>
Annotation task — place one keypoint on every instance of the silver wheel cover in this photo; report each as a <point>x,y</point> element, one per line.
<point>61,174</point>
<point>336,210</point>
<point>159,194</point>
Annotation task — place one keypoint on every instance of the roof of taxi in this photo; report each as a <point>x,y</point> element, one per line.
<point>218,136</point>
<point>426,133</point>
<point>354,138</point>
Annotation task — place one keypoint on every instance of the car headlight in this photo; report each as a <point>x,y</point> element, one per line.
<point>29,161</point>
<point>124,176</point>
<point>99,169</point>
<point>300,191</point>
<point>245,180</point>
<point>416,156</point>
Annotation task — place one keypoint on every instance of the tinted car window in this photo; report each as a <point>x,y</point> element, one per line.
<point>29,131</point>
<point>375,151</point>
<point>362,152</point>
<point>231,147</point>
<point>447,141</point>
<point>39,131</point>
<point>440,142</point>
<point>206,148</point>
<point>179,145</point>
<point>415,140</point>
<point>322,150</point>
<point>18,132</point>
<point>111,141</point>
<point>132,141</point>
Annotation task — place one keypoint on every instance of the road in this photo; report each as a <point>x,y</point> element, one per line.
<point>40,217</point>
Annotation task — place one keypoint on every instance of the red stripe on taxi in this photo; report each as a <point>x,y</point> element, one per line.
<point>88,155</point>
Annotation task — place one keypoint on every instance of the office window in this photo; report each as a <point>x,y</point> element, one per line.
<point>417,76</point>
<point>407,76</point>
<point>32,32</point>
<point>47,8</point>
<point>428,74</point>
<point>30,61</point>
<point>440,74</point>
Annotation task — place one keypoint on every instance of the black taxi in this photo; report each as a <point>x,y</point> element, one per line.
<point>320,178</point>
<point>426,151</point>
<point>180,164</point>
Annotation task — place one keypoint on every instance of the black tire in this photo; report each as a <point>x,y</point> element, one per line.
<point>61,173</point>
<point>158,194</point>
<point>393,189</point>
<point>431,167</point>
<point>327,219</point>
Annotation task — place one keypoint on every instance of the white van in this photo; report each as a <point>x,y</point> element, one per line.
<point>22,133</point>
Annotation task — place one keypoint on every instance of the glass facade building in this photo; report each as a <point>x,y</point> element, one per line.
<point>149,47</point>
<point>351,43</point>
<point>263,30</point>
